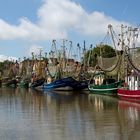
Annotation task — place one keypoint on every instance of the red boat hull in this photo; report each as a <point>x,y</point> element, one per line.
<point>125,93</point>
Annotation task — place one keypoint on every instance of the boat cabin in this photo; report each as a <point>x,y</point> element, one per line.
<point>133,80</point>
<point>101,79</point>
<point>98,78</point>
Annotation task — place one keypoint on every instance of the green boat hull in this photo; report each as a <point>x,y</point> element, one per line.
<point>109,89</point>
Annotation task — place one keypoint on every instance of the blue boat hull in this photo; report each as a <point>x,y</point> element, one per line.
<point>61,84</point>
<point>66,84</point>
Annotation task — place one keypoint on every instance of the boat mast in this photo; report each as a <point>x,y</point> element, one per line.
<point>89,56</point>
<point>69,56</point>
<point>54,47</point>
<point>84,52</point>
<point>124,59</point>
<point>64,52</point>
<point>40,53</point>
<point>113,40</point>
<point>79,50</point>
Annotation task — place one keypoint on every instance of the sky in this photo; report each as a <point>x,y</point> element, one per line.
<point>28,25</point>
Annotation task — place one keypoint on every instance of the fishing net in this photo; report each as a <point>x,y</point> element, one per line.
<point>107,63</point>
<point>112,66</point>
<point>134,58</point>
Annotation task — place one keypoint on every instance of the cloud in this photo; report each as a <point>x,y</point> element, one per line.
<point>35,49</point>
<point>32,49</point>
<point>55,20</point>
<point>10,58</point>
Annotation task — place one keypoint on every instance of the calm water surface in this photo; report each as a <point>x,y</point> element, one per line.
<point>34,115</point>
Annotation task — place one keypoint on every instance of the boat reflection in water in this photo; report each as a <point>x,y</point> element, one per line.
<point>105,116</point>
<point>31,114</point>
<point>103,102</point>
<point>114,118</point>
<point>131,109</point>
<point>131,113</point>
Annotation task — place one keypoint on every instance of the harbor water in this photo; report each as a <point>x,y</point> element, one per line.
<point>27,114</point>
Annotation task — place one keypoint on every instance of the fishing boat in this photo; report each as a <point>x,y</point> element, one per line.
<point>106,77</point>
<point>8,82</point>
<point>127,93</point>
<point>102,85</point>
<point>66,84</point>
<point>131,86</point>
<point>63,84</point>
